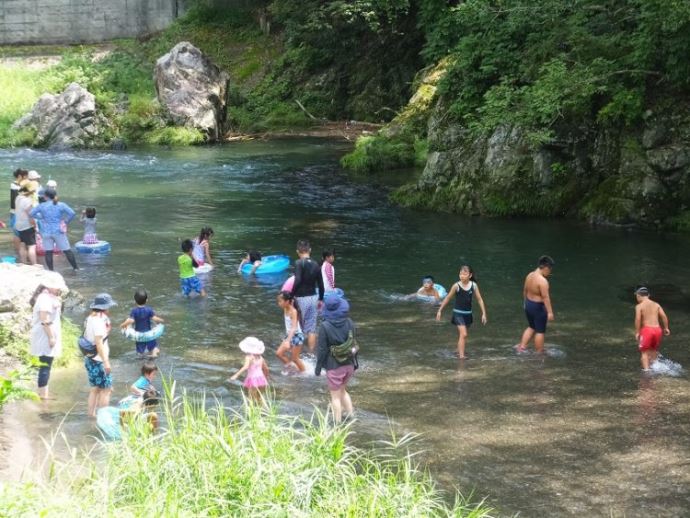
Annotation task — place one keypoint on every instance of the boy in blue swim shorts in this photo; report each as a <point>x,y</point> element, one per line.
<point>538,309</point>
<point>189,282</point>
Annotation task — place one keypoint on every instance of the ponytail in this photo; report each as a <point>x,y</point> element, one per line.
<point>39,290</point>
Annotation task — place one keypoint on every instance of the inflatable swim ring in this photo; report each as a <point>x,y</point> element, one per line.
<point>144,336</point>
<point>204,268</point>
<point>441,291</point>
<point>108,422</point>
<point>288,284</point>
<point>99,247</point>
<point>269,264</point>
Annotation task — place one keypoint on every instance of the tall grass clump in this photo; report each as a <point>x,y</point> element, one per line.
<point>215,462</point>
<point>18,345</point>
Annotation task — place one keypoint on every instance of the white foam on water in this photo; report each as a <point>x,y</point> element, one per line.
<point>665,367</point>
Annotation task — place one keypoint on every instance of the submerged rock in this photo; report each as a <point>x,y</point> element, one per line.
<point>66,120</point>
<point>192,89</point>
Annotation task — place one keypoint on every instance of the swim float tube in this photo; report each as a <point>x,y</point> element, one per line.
<point>441,291</point>
<point>288,284</point>
<point>204,268</point>
<point>99,247</point>
<point>144,336</point>
<point>269,264</point>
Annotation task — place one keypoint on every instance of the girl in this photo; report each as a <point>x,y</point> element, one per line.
<point>462,312</point>
<point>327,270</point>
<point>255,365</point>
<point>294,339</point>
<point>252,257</point>
<point>96,331</point>
<point>201,251</point>
<point>88,218</point>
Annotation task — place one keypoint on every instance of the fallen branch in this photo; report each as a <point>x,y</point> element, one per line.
<point>305,110</point>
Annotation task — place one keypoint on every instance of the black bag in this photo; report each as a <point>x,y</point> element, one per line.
<point>86,347</point>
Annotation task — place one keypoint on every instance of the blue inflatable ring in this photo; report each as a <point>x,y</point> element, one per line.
<point>441,291</point>
<point>144,336</point>
<point>99,247</point>
<point>269,264</point>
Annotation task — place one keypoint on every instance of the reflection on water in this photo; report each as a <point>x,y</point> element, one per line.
<point>579,430</point>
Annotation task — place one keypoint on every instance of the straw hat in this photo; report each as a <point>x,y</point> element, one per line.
<point>252,345</point>
<point>53,281</point>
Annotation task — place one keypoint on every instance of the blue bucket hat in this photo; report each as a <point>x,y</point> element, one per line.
<point>102,301</point>
<point>335,307</point>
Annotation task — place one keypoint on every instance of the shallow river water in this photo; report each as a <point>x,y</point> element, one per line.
<point>581,431</point>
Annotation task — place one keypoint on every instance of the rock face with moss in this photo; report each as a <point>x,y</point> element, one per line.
<point>66,120</point>
<point>193,90</point>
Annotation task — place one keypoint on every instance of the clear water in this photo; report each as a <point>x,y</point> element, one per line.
<point>581,431</point>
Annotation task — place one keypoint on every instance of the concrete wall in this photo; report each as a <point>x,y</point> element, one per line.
<point>82,21</point>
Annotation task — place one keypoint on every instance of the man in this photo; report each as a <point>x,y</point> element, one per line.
<point>307,279</point>
<point>537,302</point>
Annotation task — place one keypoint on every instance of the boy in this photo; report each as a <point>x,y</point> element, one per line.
<point>308,279</point>
<point>647,329</point>
<point>141,317</point>
<point>427,289</point>
<point>537,300</point>
<point>188,280</point>
<point>145,381</point>
<point>327,270</point>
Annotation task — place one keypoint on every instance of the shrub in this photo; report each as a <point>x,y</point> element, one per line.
<point>175,136</point>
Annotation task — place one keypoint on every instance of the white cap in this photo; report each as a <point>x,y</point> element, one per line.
<point>53,280</point>
<point>51,183</point>
<point>33,175</point>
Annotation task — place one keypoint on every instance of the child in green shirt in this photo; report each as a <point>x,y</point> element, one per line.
<point>188,280</point>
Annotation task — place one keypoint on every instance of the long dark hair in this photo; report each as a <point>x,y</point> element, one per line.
<point>204,233</point>
<point>289,297</point>
<point>39,290</point>
<point>469,269</point>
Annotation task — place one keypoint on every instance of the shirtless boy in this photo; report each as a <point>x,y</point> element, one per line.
<point>647,329</point>
<point>538,308</point>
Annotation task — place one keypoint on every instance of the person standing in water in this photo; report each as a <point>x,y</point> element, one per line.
<point>307,279</point>
<point>201,251</point>
<point>537,304</point>
<point>648,332</point>
<point>51,214</point>
<point>463,292</point>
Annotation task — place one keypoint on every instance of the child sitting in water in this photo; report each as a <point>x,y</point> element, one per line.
<point>294,339</point>
<point>255,365</point>
<point>427,290</point>
<point>141,317</point>
<point>252,257</point>
<point>88,218</point>
<point>145,381</point>
<point>648,332</point>
<point>112,420</point>
<point>189,282</point>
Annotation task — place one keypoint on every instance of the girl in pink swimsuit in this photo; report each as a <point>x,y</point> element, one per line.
<point>256,367</point>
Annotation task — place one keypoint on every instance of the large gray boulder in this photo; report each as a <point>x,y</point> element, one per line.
<point>66,120</point>
<point>192,89</point>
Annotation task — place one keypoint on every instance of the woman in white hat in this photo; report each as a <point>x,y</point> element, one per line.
<point>46,330</point>
<point>23,223</point>
<point>255,365</point>
<point>96,330</point>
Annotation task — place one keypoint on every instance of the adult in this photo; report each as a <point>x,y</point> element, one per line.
<point>51,214</point>
<point>96,331</point>
<point>307,279</point>
<point>40,192</point>
<point>46,329</point>
<point>23,223</point>
<point>537,303</point>
<point>201,251</point>
<point>335,330</point>
<point>19,177</point>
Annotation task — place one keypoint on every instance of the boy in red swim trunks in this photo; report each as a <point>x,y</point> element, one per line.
<point>648,332</point>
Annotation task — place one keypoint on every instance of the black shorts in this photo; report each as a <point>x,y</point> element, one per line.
<point>461,319</point>
<point>28,236</point>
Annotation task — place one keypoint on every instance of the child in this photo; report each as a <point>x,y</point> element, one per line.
<point>201,251</point>
<point>648,332</point>
<point>252,257</point>
<point>145,381</point>
<point>188,280</point>
<point>141,317</point>
<point>88,218</point>
<point>255,365</point>
<point>294,338</point>
<point>112,420</point>
<point>462,312</point>
<point>327,270</point>
<point>427,289</point>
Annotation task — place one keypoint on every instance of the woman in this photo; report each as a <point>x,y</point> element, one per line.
<point>96,330</point>
<point>51,213</point>
<point>23,223</point>
<point>46,330</point>
<point>335,330</point>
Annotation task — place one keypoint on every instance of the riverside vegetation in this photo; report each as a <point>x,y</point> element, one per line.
<point>215,462</point>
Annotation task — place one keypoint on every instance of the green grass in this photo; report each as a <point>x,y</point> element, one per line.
<point>18,346</point>
<point>210,462</point>
<point>374,153</point>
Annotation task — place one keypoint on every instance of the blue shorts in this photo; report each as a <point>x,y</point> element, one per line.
<point>297,339</point>
<point>308,311</point>
<point>142,347</point>
<point>13,219</point>
<point>97,376</point>
<point>191,284</point>
<point>461,319</point>
<point>536,315</point>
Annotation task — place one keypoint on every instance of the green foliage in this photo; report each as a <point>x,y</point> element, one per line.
<point>380,153</point>
<point>175,136</point>
<point>254,463</point>
<point>18,346</point>
<point>10,388</point>
<point>681,222</point>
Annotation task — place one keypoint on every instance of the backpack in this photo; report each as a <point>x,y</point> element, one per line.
<point>347,350</point>
<point>86,347</point>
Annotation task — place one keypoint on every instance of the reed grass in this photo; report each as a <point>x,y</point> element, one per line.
<point>211,461</point>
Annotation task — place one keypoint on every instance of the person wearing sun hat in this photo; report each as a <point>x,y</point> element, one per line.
<point>256,367</point>
<point>46,330</point>
<point>335,330</point>
<point>51,214</point>
<point>23,224</point>
<point>96,330</point>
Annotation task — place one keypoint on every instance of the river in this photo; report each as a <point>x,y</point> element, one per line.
<point>581,431</point>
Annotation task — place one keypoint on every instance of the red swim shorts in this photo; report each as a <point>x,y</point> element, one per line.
<point>650,338</point>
